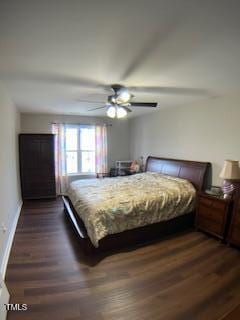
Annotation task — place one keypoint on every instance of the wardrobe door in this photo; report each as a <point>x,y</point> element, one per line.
<point>37,166</point>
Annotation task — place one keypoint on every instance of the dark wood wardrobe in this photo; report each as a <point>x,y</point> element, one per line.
<point>36,153</point>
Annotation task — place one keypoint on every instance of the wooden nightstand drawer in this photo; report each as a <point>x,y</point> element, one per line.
<point>209,225</point>
<point>219,205</point>
<point>205,202</point>
<point>212,214</point>
<point>216,203</point>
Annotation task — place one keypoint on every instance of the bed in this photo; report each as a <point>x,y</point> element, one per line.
<point>112,213</point>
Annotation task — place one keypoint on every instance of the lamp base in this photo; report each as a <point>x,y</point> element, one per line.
<point>228,187</point>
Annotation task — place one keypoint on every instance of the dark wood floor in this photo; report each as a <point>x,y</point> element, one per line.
<point>187,276</point>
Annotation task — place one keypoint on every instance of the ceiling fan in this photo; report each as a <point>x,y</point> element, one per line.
<point>118,104</point>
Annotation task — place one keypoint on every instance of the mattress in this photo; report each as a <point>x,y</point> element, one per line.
<point>113,205</point>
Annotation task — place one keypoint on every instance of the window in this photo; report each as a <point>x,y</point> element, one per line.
<point>80,149</point>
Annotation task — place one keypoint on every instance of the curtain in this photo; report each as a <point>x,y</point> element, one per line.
<point>60,158</point>
<point>62,179</point>
<point>101,149</point>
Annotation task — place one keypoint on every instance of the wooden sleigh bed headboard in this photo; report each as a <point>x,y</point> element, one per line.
<point>195,172</point>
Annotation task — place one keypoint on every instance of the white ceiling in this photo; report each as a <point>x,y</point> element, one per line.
<point>48,49</point>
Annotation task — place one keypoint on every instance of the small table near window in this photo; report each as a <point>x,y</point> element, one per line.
<point>102,174</point>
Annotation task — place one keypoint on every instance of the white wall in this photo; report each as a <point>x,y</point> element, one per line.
<point>205,131</point>
<point>10,199</point>
<point>118,133</point>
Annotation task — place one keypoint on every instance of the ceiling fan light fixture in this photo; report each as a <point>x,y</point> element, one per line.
<point>121,112</point>
<point>119,102</point>
<point>123,95</point>
<point>116,112</point>
<point>111,112</point>
<point>113,99</point>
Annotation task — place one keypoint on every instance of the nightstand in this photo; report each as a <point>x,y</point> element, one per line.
<point>213,214</point>
<point>233,236</point>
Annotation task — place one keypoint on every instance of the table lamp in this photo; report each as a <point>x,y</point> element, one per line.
<point>230,173</point>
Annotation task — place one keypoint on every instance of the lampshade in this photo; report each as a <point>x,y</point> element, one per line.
<point>230,170</point>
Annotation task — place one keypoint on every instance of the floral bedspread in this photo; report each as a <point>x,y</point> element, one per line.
<point>112,205</point>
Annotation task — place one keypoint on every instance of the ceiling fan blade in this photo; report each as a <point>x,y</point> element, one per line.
<point>171,90</point>
<point>149,48</point>
<point>97,108</point>
<point>88,101</point>
<point>144,104</point>
<point>51,78</point>
<point>126,108</point>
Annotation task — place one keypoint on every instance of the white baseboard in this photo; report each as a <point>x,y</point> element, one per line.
<point>4,299</point>
<point>9,242</point>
